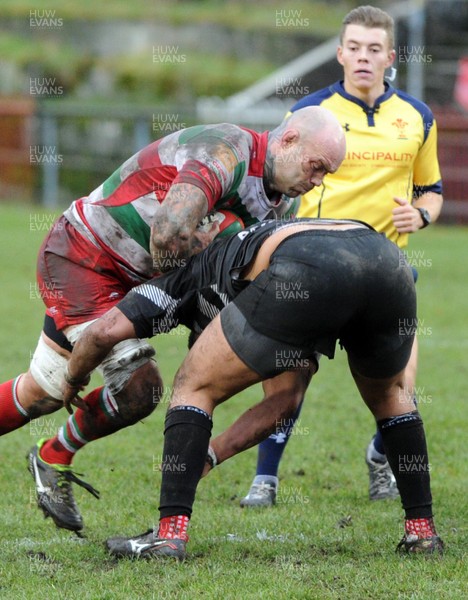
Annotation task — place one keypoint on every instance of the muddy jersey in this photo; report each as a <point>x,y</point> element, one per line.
<point>225,161</point>
<point>195,294</point>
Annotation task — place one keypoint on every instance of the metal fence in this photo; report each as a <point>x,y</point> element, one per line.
<point>57,150</point>
<point>62,151</point>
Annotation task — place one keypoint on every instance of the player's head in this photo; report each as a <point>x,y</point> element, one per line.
<point>303,149</point>
<point>366,48</point>
<point>372,18</point>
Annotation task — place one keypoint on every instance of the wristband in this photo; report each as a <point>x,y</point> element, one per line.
<point>211,457</point>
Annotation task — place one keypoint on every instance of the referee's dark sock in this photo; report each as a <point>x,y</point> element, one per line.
<point>405,446</point>
<point>270,451</point>
<point>376,450</point>
<point>186,438</point>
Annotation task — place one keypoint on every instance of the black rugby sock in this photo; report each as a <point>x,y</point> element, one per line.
<point>186,438</point>
<point>405,446</point>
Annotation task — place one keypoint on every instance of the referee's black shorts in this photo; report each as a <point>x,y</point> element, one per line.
<point>352,285</point>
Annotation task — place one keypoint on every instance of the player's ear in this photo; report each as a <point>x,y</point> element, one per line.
<point>390,58</point>
<point>290,136</point>
<point>339,54</point>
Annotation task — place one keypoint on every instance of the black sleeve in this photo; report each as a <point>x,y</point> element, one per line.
<point>161,304</point>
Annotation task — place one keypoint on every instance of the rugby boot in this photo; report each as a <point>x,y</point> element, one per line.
<point>261,494</point>
<point>412,544</point>
<point>147,545</point>
<point>382,482</point>
<point>420,538</point>
<point>54,490</point>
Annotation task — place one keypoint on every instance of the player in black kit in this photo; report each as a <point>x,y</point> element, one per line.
<point>350,284</point>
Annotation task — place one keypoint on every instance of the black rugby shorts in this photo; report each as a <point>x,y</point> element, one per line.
<point>351,285</point>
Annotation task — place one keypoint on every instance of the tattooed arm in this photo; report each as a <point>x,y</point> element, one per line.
<point>173,236</point>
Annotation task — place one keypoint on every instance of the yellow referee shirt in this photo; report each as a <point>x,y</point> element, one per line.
<point>391,150</point>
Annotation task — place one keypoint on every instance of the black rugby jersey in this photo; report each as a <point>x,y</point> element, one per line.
<point>195,294</point>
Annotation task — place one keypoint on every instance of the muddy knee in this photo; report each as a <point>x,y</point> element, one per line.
<point>141,394</point>
<point>34,399</point>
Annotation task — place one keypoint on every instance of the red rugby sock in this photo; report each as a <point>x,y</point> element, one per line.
<point>174,527</point>
<point>101,419</point>
<point>12,414</point>
<point>423,528</point>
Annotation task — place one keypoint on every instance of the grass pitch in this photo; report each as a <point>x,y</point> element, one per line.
<point>324,539</point>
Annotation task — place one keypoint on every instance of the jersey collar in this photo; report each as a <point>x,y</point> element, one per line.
<point>258,152</point>
<point>257,165</point>
<point>338,87</point>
